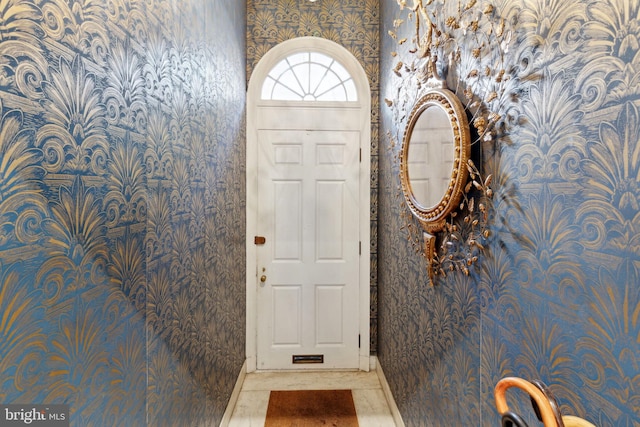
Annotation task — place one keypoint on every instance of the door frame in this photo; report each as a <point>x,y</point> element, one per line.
<point>266,63</point>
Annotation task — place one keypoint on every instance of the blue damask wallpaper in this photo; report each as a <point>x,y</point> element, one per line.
<point>122,208</point>
<point>555,294</point>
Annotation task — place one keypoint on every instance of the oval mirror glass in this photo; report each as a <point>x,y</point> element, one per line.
<point>433,163</point>
<point>430,157</point>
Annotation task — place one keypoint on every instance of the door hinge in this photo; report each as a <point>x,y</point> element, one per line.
<point>360,247</point>
<point>358,340</point>
<point>361,155</point>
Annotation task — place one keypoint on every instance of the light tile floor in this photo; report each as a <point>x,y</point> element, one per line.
<point>371,405</point>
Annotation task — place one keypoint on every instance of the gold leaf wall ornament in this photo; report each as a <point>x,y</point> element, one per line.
<point>464,44</point>
<point>494,117</point>
<point>452,22</point>
<point>463,244</point>
<point>481,124</point>
<point>470,4</point>
<point>397,68</point>
<point>500,29</point>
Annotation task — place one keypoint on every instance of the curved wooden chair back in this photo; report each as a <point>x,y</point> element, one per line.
<point>545,407</point>
<point>546,412</point>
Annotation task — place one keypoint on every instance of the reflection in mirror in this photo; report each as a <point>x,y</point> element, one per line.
<point>433,162</point>
<point>430,157</point>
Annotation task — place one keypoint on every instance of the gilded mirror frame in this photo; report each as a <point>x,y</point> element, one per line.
<point>433,218</point>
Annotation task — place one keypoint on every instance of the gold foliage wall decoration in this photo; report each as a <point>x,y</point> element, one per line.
<point>467,45</point>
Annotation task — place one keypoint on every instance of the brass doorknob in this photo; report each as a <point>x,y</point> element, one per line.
<point>263,278</point>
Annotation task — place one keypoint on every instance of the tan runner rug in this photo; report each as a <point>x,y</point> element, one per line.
<point>310,408</point>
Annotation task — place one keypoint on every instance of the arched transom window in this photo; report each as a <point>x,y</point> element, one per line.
<point>309,76</point>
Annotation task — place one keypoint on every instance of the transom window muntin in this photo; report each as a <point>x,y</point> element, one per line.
<point>309,76</point>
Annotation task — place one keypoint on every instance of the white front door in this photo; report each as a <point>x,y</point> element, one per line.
<point>308,265</point>
<point>308,209</point>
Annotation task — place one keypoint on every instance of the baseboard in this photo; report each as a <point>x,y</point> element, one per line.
<point>226,418</point>
<point>397,418</point>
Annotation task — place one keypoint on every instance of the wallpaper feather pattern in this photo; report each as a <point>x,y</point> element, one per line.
<point>353,24</point>
<point>122,208</point>
<point>556,295</point>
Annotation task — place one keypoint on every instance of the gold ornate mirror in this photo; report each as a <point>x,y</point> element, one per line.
<point>433,164</point>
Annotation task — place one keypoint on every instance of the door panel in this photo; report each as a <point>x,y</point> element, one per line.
<point>329,309</point>
<point>287,310</point>
<point>287,220</point>
<point>308,201</point>
<point>329,225</point>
